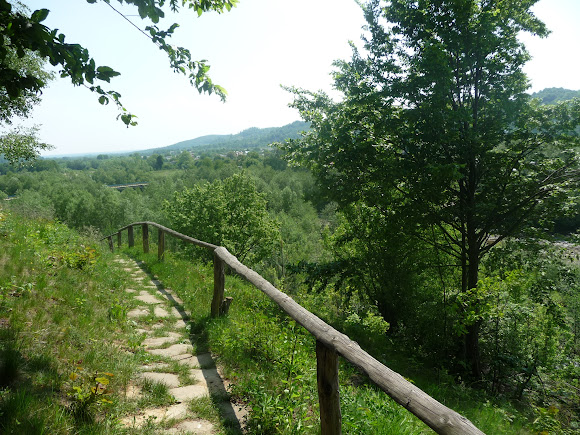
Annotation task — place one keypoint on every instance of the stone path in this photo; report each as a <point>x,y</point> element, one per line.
<point>162,322</point>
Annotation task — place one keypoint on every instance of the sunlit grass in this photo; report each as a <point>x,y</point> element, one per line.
<point>272,365</point>
<point>56,292</point>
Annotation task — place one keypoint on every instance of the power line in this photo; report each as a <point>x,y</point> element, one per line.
<point>129,21</point>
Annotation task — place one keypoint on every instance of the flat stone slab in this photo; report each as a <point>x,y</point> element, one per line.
<point>234,412</point>
<point>210,377</point>
<point>155,366</point>
<point>169,379</point>
<point>130,290</point>
<point>171,351</point>
<point>197,374</point>
<point>198,427</point>
<point>172,297</point>
<point>137,312</point>
<point>189,392</point>
<point>180,324</point>
<point>186,359</point>
<point>133,392</point>
<point>205,360</point>
<point>160,312</point>
<point>142,331</point>
<point>148,298</point>
<point>175,411</point>
<point>160,341</point>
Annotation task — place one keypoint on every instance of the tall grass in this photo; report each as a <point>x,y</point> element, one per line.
<point>56,333</point>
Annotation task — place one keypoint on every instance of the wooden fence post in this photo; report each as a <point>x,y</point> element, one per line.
<point>119,239</point>
<point>145,230</point>
<point>111,243</point>
<point>218,285</point>
<point>130,236</point>
<point>160,244</point>
<point>328,395</point>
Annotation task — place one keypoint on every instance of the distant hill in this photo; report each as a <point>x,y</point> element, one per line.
<point>555,95</point>
<point>248,139</point>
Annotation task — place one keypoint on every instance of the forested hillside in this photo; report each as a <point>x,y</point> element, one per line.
<point>555,95</point>
<point>250,138</point>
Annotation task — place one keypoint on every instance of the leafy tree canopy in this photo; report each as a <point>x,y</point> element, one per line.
<point>21,144</point>
<point>22,32</point>
<point>230,213</point>
<point>434,126</point>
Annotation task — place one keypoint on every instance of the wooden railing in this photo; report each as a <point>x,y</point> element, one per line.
<point>330,343</point>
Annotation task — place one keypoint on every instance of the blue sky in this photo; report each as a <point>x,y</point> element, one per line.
<point>253,49</point>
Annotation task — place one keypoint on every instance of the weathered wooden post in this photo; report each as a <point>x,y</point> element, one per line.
<point>160,245</point>
<point>218,285</point>
<point>328,395</point>
<point>111,243</point>
<point>130,236</point>
<point>119,239</point>
<point>145,230</point>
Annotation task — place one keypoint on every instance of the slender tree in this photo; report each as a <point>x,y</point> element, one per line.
<point>434,125</point>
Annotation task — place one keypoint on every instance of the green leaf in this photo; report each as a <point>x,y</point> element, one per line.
<point>39,15</point>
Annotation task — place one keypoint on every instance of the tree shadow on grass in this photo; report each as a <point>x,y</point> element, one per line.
<point>27,384</point>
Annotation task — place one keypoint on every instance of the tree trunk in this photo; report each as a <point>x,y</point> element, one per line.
<point>472,336</point>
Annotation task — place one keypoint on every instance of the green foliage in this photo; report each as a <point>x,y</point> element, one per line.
<point>272,365</point>
<point>28,64</point>
<point>21,145</point>
<point>555,95</point>
<point>230,213</point>
<point>88,390</point>
<point>434,132</point>
<point>23,32</point>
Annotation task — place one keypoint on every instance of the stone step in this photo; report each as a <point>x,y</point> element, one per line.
<point>175,349</point>
<point>177,411</point>
<point>153,342</point>
<point>169,379</point>
<point>189,392</point>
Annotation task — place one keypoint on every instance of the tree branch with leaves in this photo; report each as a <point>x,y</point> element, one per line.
<point>22,32</point>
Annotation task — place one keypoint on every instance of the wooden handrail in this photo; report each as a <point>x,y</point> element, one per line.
<point>329,344</point>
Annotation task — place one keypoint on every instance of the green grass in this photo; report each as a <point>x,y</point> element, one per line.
<point>271,362</point>
<point>63,311</point>
<point>63,323</point>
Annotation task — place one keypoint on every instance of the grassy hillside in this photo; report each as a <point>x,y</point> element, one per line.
<point>63,324</point>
